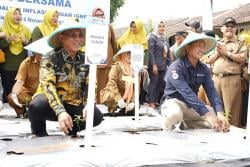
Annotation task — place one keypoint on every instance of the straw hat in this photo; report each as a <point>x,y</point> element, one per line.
<point>124,49</point>
<point>67,25</point>
<point>210,43</point>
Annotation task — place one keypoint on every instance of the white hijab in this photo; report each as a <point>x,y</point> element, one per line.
<point>156,30</point>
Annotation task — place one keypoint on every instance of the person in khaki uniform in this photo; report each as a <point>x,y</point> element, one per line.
<point>27,81</point>
<point>119,91</point>
<point>231,52</point>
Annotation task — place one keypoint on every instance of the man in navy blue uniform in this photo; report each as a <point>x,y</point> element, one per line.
<point>180,103</point>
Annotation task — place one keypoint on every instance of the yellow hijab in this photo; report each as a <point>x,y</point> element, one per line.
<point>139,38</point>
<point>46,27</point>
<point>246,36</point>
<point>11,28</point>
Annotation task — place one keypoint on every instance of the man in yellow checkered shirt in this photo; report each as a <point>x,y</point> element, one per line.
<point>62,91</point>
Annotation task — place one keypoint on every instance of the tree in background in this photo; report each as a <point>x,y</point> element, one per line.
<point>114,7</point>
<point>149,26</point>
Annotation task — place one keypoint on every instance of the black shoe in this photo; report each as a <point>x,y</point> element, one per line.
<point>183,126</point>
<point>41,134</point>
<point>24,115</point>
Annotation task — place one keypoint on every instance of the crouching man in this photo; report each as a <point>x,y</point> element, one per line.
<point>62,91</point>
<point>180,103</point>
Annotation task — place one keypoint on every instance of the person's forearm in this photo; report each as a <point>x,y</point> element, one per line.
<point>17,87</point>
<point>53,99</point>
<point>237,57</point>
<point>212,58</point>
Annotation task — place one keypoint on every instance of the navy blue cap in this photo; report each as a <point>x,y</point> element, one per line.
<point>193,24</point>
<point>229,20</point>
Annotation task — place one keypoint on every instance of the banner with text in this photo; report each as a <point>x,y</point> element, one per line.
<point>33,10</point>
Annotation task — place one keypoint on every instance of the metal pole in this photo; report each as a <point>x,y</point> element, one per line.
<point>90,105</point>
<point>137,105</point>
<point>248,115</point>
<point>207,17</point>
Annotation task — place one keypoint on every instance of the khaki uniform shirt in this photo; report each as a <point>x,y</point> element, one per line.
<point>29,73</point>
<point>225,65</point>
<point>115,87</point>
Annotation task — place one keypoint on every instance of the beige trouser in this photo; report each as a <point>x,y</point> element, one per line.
<point>229,90</point>
<point>175,111</point>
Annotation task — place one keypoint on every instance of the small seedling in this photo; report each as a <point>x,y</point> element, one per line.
<point>78,120</point>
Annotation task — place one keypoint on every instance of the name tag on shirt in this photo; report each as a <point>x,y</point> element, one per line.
<point>200,75</point>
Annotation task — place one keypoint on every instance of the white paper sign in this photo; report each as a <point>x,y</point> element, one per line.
<point>137,57</point>
<point>96,41</point>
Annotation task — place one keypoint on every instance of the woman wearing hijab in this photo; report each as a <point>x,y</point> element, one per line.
<point>119,91</point>
<point>158,62</point>
<point>49,24</point>
<point>103,70</point>
<point>136,34</point>
<point>27,78</point>
<point>17,36</point>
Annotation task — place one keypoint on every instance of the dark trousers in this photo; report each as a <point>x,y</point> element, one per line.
<point>245,96</point>
<point>8,81</point>
<point>156,86</point>
<point>39,111</point>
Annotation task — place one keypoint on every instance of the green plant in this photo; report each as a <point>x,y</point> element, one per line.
<point>227,115</point>
<point>115,5</point>
<point>78,120</point>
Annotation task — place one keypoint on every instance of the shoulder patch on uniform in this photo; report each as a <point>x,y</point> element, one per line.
<point>174,75</point>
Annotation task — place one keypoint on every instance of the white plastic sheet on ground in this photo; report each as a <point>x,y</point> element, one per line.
<point>118,141</point>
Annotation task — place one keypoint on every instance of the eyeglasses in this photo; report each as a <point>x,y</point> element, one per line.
<point>74,35</point>
<point>99,15</point>
<point>229,26</point>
